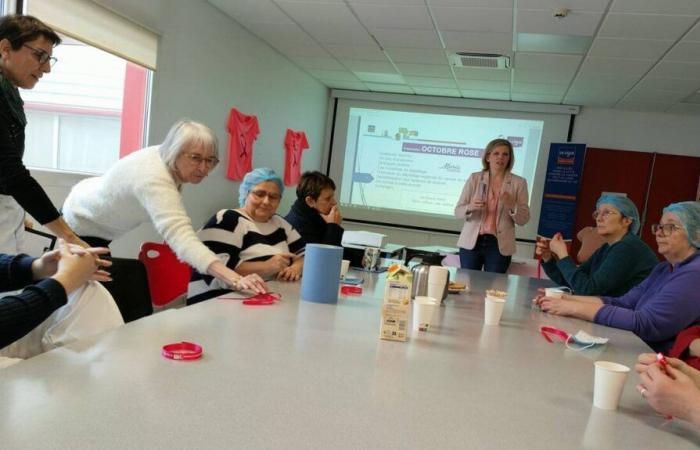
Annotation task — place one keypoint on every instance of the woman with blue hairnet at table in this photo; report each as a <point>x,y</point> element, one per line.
<point>667,301</point>
<point>251,239</point>
<point>621,263</point>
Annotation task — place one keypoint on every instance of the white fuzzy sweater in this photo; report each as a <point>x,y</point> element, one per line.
<point>137,189</point>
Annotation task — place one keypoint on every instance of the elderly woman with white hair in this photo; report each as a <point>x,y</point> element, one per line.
<point>145,186</point>
<point>252,239</point>
<point>621,263</point>
<point>666,302</point>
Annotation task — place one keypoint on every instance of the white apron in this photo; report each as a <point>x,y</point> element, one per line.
<point>11,225</point>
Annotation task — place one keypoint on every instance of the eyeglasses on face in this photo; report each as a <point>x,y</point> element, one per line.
<point>261,194</point>
<point>196,160</point>
<point>604,214</point>
<point>41,56</point>
<point>666,228</point>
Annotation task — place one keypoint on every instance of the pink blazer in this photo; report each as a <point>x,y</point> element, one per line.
<point>505,222</point>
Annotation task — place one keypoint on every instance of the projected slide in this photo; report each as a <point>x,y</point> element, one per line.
<point>418,162</point>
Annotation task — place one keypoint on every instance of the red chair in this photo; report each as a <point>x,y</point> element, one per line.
<point>167,276</point>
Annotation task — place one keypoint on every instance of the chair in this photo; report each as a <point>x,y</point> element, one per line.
<point>129,288</point>
<point>167,276</point>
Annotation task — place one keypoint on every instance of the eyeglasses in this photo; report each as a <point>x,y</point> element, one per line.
<point>261,194</point>
<point>196,160</point>
<point>42,56</point>
<point>666,229</point>
<point>603,214</point>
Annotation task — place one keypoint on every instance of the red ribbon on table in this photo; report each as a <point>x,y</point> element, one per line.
<point>546,331</point>
<point>182,351</point>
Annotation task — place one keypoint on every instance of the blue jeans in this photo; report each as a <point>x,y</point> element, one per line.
<point>485,254</point>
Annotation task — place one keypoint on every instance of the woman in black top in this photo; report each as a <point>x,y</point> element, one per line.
<point>26,45</point>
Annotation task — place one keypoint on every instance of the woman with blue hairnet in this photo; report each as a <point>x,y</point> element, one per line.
<point>667,301</point>
<point>621,263</point>
<point>251,239</point>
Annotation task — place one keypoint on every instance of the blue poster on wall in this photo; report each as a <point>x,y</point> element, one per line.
<point>561,185</point>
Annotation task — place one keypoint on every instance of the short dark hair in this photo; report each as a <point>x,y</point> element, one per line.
<point>312,183</point>
<point>20,29</point>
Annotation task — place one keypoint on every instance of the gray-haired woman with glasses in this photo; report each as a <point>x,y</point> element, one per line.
<point>621,263</point>
<point>667,301</point>
<point>26,45</point>
<point>145,187</point>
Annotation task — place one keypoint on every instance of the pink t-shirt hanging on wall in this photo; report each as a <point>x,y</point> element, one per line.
<point>294,143</point>
<point>243,131</point>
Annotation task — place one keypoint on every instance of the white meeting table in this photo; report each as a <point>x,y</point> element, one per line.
<point>306,375</point>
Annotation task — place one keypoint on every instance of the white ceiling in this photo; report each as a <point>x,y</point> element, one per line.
<point>626,54</point>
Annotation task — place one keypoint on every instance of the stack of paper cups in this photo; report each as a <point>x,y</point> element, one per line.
<point>437,281</point>
<point>425,310</point>
<point>319,280</point>
<point>493,309</point>
<point>609,380</point>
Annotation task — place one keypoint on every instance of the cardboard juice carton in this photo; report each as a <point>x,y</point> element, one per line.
<point>397,304</point>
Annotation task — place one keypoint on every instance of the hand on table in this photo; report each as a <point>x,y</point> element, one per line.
<point>291,273</point>
<point>252,282</point>
<point>672,394</point>
<point>646,360</point>
<point>279,261</point>
<point>557,306</point>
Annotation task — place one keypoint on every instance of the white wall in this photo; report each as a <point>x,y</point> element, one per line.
<point>208,63</point>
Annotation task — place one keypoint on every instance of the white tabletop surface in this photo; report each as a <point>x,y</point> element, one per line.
<point>305,375</point>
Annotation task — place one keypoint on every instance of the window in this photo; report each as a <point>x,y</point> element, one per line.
<point>91,109</point>
<point>87,112</point>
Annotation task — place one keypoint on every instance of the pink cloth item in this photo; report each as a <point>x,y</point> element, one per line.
<point>243,131</point>
<point>294,144</point>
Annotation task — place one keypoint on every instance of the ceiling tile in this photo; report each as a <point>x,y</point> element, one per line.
<point>654,96</point>
<point>425,70</point>
<point>394,16</point>
<point>397,88</point>
<point>641,26</point>
<point>286,33</point>
<point>326,33</point>
<point>474,19</point>
<point>547,62</point>
<point>553,43</point>
<point>305,50</point>
<point>542,76</point>
<point>442,92</point>
<point>657,6</point>
<point>380,77</point>
<point>431,82</point>
<point>486,85</point>
<point>693,34</point>
<point>313,62</point>
<point>339,75</point>
<point>305,12</point>
<point>587,98</point>
<point>684,108</point>
<point>417,55</point>
<point>629,48</point>
<point>583,23</point>
<point>371,53</point>
<point>675,69</point>
<point>604,83</point>
<point>540,98</point>
<point>339,84</point>
<point>368,66</point>
<point>595,64</point>
<point>468,73</point>
<point>492,95</point>
<point>540,88</point>
<point>487,42</point>
<point>695,98</point>
<point>670,84</point>
<point>394,37</point>
<point>474,3</point>
<point>247,11</point>
<point>684,51</point>
<point>386,2</point>
<point>574,5</point>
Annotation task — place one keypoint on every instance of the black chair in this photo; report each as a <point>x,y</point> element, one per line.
<point>130,288</point>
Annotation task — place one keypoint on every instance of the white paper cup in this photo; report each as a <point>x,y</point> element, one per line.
<point>436,291</point>
<point>609,380</point>
<point>493,309</point>
<point>555,292</point>
<point>438,275</point>
<point>424,312</point>
<point>344,266</point>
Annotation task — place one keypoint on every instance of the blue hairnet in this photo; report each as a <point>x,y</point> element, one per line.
<point>626,207</point>
<point>255,177</point>
<point>689,215</point>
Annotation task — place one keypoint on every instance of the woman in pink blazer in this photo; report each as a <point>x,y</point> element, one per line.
<point>493,201</point>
